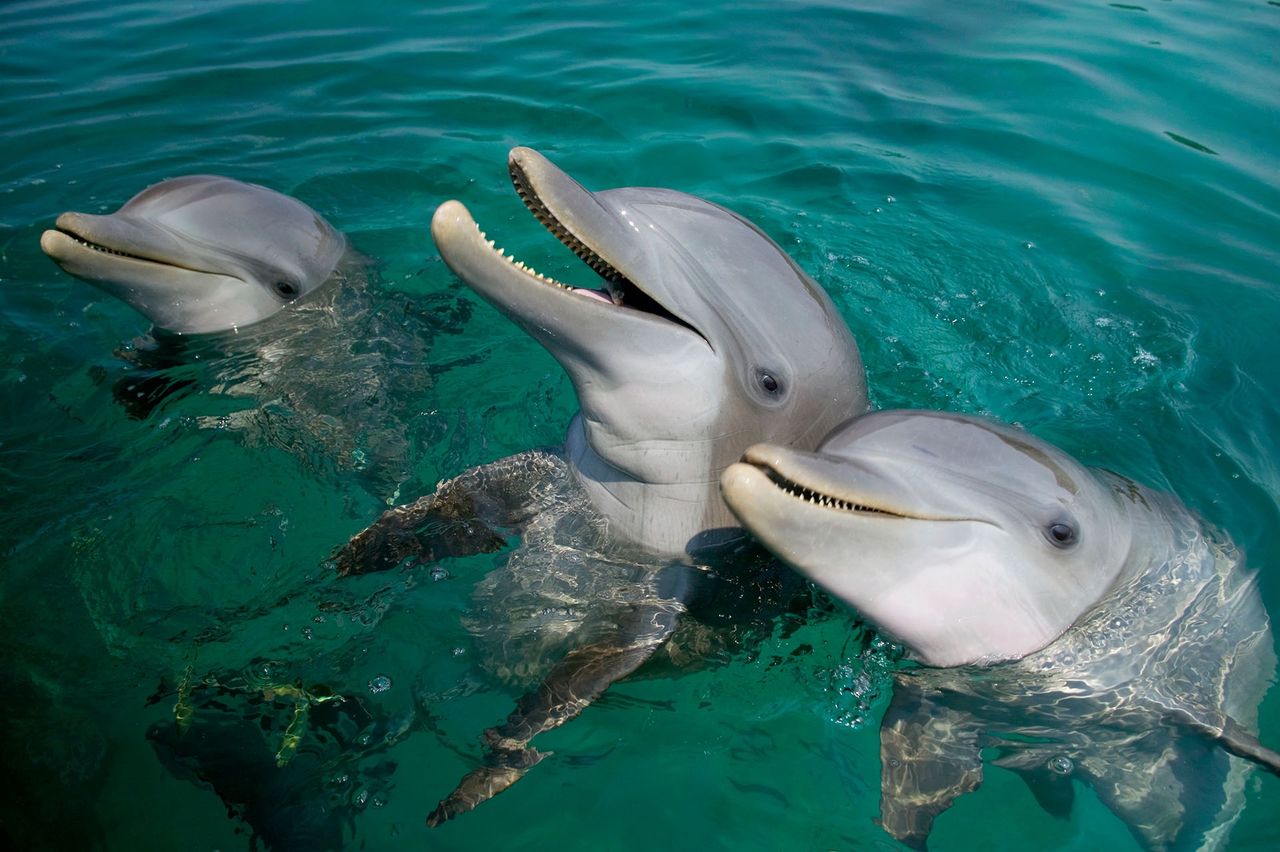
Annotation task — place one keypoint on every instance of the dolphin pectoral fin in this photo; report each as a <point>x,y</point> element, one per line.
<point>471,513</point>
<point>929,756</point>
<point>432,527</point>
<point>576,681</point>
<point>503,767</point>
<point>1234,739</point>
<point>1241,743</point>
<point>1053,790</point>
<point>1170,788</point>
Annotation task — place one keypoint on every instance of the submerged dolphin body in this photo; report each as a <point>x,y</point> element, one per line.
<point>705,339</point>
<point>1070,620</point>
<point>201,253</point>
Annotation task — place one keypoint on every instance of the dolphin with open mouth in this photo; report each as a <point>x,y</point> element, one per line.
<point>701,338</point>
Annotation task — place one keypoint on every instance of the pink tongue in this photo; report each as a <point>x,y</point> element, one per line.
<point>595,294</point>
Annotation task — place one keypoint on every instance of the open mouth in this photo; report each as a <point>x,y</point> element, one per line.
<point>818,498</point>
<point>617,288</point>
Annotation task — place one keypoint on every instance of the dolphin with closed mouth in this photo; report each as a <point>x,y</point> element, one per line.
<point>201,253</point>
<point>1069,620</point>
<point>255,298</point>
<point>702,338</point>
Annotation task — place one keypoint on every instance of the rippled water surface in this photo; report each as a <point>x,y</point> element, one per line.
<point>1065,215</point>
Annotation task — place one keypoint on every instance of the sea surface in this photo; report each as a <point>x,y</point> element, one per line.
<point>1065,215</point>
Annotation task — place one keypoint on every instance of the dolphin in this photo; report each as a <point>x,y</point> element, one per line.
<point>256,299</point>
<point>201,253</point>
<point>701,338</point>
<point>1073,622</point>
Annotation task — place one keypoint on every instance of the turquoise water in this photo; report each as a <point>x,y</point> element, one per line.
<point>1063,215</point>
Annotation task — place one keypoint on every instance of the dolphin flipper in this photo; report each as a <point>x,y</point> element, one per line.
<point>1053,789</point>
<point>471,513</point>
<point>1169,789</point>
<point>1233,739</point>
<point>929,756</point>
<point>576,681</point>
<point>1241,743</point>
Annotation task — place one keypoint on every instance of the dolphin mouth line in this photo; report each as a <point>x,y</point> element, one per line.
<point>852,507</point>
<point>818,498</point>
<point>98,247</point>
<point>84,242</point>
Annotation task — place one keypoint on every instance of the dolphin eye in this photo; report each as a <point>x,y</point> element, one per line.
<point>286,289</point>
<point>767,381</point>
<point>1061,535</point>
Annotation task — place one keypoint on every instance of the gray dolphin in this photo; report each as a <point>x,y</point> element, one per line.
<point>1072,621</point>
<point>705,338</point>
<point>258,301</point>
<point>201,253</point>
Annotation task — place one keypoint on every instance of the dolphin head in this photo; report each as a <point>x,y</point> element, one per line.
<point>967,540</point>
<point>703,338</point>
<point>200,253</point>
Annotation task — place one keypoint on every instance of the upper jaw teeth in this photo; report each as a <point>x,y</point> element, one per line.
<point>817,498</point>
<point>97,247</point>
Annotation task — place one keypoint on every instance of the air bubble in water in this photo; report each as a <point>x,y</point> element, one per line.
<point>381,683</point>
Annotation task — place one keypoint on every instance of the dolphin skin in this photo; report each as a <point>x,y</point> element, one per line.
<point>201,253</point>
<point>1069,620</point>
<point>701,338</point>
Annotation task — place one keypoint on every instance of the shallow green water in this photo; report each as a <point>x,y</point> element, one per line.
<point>1064,215</point>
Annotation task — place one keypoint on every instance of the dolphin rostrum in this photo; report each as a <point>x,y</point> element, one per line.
<point>1070,622</point>
<point>704,337</point>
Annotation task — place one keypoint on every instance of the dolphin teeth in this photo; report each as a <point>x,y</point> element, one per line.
<point>101,249</point>
<point>570,240</point>
<point>808,495</point>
